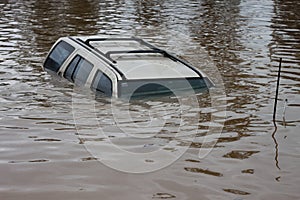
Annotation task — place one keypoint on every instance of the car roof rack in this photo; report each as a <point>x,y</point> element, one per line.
<point>152,49</point>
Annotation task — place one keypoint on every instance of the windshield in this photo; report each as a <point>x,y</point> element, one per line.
<point>132,88</point>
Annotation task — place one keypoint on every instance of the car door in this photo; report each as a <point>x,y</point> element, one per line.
<point>78,70</point>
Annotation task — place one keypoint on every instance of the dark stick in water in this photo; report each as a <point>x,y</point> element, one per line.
<point>274,116</point>
<point>277,89</point>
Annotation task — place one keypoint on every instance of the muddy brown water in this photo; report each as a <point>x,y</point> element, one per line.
<point>45,135</point>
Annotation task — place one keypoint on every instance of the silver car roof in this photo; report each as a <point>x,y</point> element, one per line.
<point>137,59</point>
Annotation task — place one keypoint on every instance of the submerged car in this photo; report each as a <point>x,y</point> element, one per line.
<point>122,67</point>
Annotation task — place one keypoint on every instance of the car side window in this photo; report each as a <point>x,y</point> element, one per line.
<point>102,83</point>
<point>71,68</point>
<point>58,56</point>
<point>78,70</point>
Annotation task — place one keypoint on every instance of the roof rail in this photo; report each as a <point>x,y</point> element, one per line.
<point>142,42</point>
<point>110,64</point>
<point>134,51</point>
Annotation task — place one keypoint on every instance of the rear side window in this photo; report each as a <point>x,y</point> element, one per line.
<point>78,70</point>
<point>102,83</point>
<point>58,56</point>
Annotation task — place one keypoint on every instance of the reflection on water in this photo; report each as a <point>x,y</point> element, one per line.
<point>42,153</point>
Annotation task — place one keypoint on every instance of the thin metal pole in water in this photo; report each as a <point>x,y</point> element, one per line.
<point>277,90</point>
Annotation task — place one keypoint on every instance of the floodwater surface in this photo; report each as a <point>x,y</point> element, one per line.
<point>56,142</point>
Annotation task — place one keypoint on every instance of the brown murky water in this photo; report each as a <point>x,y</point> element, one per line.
<point>42,156</point>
